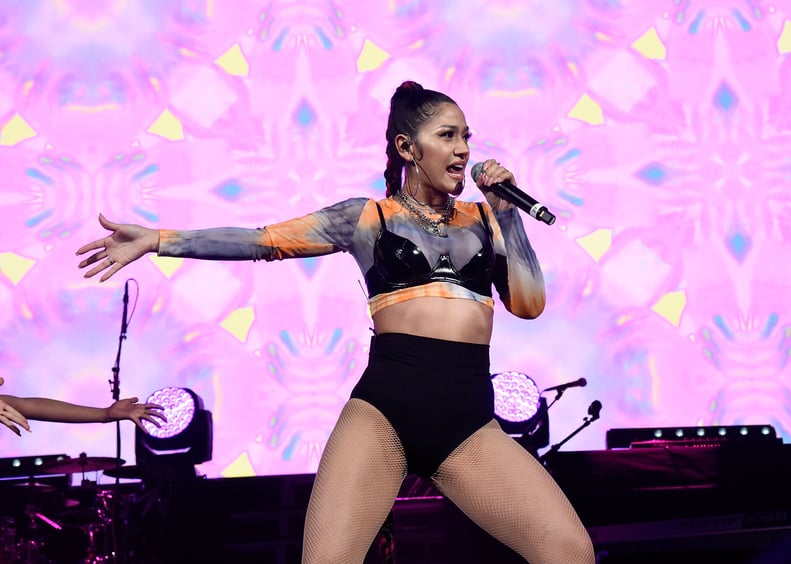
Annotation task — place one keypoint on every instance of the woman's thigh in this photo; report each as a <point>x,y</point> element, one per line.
<point>506,491</point>
<point>360,473</point>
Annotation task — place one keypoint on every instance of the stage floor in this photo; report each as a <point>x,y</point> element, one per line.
<point>708,505</point>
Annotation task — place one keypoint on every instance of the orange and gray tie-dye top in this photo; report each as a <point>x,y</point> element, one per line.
<point>393,252</point>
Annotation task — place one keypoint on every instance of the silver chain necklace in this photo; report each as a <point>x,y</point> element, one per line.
<point>428,224</point>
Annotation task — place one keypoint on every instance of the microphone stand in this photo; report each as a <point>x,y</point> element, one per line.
<point>593,414</point>
<point>115,383</point>
<point>536,434</point>
<point>540,424</point>
<point>115,388</point>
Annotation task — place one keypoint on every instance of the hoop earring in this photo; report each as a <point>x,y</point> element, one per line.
<point>407,185</point>
<point>417,178</point>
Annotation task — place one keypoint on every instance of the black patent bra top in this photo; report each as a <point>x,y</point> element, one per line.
<point>399,263</point>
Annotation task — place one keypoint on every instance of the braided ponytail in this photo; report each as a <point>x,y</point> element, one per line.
<point>410,107</point>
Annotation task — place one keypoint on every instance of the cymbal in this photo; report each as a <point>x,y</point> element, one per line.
<point>36,487</point>
<point>127,472</point>
<point>81,465</point>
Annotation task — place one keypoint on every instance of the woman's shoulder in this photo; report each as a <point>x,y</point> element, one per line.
<point>353,202</point>
<point>388,205</point>
<point>360,209</point>
<point>474,209</point>
<point>470,206</point>
<point>362,202</point>
<point>350,207</point>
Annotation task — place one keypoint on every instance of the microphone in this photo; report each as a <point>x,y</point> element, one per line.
<point>582,382</point>
<point>594,409</point>
<point>514,195</point>
<point>124,320</point>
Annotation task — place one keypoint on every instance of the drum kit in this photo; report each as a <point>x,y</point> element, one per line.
<point>44,519</point>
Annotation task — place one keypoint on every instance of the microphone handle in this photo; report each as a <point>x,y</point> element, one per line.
<point>524,202</point>
<point>124,320</point>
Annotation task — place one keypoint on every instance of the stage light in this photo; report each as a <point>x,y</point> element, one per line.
<point>520,410</point>
<point>689,436</point>
<point>171,451</point>
<point>179,407</point>
<point>515,400</point>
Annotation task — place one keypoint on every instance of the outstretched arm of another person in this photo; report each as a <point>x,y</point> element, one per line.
<point>326,231</point>
<point>129,409</point>
<point>10,416</point>
<point>46,409</point>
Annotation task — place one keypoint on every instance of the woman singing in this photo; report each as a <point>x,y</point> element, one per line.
<point>424,403</point>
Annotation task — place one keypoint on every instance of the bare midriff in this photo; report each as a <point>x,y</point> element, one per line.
<point>465,321</point>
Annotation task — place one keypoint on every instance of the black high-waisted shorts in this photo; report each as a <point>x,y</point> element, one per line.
<point>434,393</point>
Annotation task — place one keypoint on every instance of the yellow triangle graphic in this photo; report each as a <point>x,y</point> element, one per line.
<point>234,61</point>
<point>650,46</point>
<point>168,126</point>
<point>14,267</point>
<point>596,243</point>
<point>587,110</point>
<point>238,322</point>
<point>15,130</point>
<point>671,306</point>
<point>239,468</point>
<point>784,42</point>
<point>167,265</point>
<point>371,57</point>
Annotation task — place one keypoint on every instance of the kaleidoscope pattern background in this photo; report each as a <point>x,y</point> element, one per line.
<point>659,132</point>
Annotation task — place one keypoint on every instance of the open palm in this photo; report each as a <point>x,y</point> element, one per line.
<point>127,243</point>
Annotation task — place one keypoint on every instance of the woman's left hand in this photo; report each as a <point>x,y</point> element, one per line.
<point>136,412</point>
<point>493,173</point>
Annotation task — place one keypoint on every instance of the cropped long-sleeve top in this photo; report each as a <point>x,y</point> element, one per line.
<point>400,260</point>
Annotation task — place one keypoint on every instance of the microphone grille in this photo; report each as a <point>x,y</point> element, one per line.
<point>476,171</point>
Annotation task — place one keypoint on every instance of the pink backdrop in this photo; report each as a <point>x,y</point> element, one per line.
<point>657,130</point>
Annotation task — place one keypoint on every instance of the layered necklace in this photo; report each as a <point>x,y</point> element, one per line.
<point>428,224</point>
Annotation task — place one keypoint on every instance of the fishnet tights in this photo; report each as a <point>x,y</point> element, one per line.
<point>359,476</point>
<point>489,477</point>
<point>509,494</point>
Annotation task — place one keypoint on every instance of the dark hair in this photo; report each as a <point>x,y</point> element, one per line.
<point>410,107</point>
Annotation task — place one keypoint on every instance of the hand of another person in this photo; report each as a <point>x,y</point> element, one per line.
<point>127,243</point>
<point>493,173</point>
<point>10,417</point>
<point>136,412</point>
